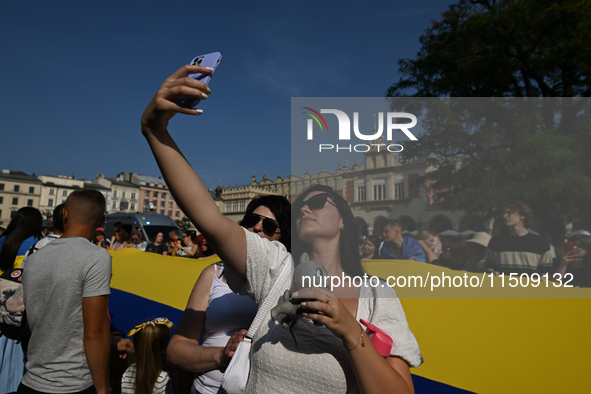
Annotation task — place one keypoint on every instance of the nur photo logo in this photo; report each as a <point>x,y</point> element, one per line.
<point>391,119</point>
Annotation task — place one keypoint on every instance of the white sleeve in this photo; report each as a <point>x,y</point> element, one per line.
<point>384,310</point>
<point>264,262</point>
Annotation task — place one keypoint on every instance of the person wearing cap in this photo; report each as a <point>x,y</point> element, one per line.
<point>477,246</point>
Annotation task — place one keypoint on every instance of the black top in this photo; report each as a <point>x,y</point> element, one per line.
<point>160,249</point>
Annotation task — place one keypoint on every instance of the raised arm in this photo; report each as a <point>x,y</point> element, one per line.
<point>191,195</point>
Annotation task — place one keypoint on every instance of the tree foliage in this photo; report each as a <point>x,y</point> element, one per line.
<point>514,48</point>
<point>490,151</point>
<point>184,224</point>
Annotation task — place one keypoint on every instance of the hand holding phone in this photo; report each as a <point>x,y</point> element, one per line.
<point>568,248</point>
<point>211,60</point>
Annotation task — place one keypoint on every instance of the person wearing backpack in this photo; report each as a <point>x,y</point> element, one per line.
<point>22,233</point>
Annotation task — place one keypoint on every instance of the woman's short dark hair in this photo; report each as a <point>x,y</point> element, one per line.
<point>281,209</point>
<point>349,241</point>
<point>26,222</point>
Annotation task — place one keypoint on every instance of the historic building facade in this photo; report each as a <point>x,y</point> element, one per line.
<point>17,190</point>
<point>383,189</point>
<point>154,195</point>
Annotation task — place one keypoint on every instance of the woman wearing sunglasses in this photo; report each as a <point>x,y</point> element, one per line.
<point>191,249</point>
<point>217,312</point>
<point>337,356</point>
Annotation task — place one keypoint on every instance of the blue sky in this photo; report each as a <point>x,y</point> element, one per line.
<point>76,77</point>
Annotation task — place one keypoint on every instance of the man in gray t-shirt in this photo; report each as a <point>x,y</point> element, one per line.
<point>66,285</point>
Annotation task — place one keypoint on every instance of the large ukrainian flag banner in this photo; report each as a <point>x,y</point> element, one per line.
<point>483,345</point>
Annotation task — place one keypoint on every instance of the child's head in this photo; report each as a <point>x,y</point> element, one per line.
<point>149,340</point>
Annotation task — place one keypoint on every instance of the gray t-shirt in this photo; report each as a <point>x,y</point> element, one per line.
<point>318,361</point>
<point>55,280</point>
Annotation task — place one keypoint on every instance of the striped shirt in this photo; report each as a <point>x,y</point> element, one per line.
<point>528,254</point>
<point>163,383</point>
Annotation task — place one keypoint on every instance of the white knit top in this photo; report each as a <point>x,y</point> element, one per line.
<point>316,361</point>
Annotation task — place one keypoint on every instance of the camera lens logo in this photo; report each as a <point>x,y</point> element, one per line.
<point>316,119</point>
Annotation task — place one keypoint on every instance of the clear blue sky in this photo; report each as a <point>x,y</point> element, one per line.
<point>77,75</point>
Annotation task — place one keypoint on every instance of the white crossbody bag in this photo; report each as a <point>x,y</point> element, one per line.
<point>236,375</point>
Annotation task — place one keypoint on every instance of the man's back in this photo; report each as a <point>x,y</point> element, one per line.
<point>55,281</point>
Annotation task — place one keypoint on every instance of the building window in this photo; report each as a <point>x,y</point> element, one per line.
<point>17,188</point>
<point>177,214</point>
<point>29,202</point>
<point>65,193</point>
<point>133,196</point>
<point>132,206</point>
<point>236,206</point>
<point>63,201</point>
<point>12,213</point>
<point>50,202</point>
<point>114,193</point>
<point>146,193</point>
<point>170,205</point>
<point>162,212</point>
<point>123,205</point>
<point>361,193</point>
<point>1,201</point>
<point>124,194</point>
<point>399,191</point>
<point>115,204</point>
<point>146,209</point>
<point>155,194</point>
<point>170,196</point>
<point>170,213</point>
<point>1,186</point>
<point>0,213</point>
<point>51,192</point>
<point>162,204</point>
<point>379,191</point>
<point>31,189</point>
<point>146,202</point>
<point>15,201</point>
<point>163,195</point>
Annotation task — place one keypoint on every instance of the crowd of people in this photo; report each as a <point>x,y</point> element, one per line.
<point>188,245</point>
<point>66,281</point>
<point>515,250</point>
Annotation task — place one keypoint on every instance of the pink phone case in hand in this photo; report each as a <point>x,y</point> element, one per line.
<point>381,341</point>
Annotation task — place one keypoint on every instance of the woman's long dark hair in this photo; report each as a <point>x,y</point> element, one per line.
<point>349,241</point>
<point>25,223</point>
<point>149,344</point>
<point>281,209</point>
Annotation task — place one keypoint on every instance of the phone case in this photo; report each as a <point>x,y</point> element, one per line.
<point>209,60</point>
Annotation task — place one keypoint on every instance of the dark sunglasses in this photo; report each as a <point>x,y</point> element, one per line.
<point>270,226</point>
<point>315,202</point>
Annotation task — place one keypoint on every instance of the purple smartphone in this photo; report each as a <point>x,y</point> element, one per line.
<point>210,60</point>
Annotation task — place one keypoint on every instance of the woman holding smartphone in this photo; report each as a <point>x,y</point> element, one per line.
<point>336,357</point>
<point>216,312</point>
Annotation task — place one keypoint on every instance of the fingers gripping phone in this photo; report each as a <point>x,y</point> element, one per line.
<point>567,247</point>
<point>211,60</point>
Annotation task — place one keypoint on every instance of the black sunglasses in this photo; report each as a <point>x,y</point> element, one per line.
<point>315,202</point>
<point>270,226</point>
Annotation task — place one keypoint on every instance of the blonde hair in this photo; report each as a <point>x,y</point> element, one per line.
<point>149,343</point>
